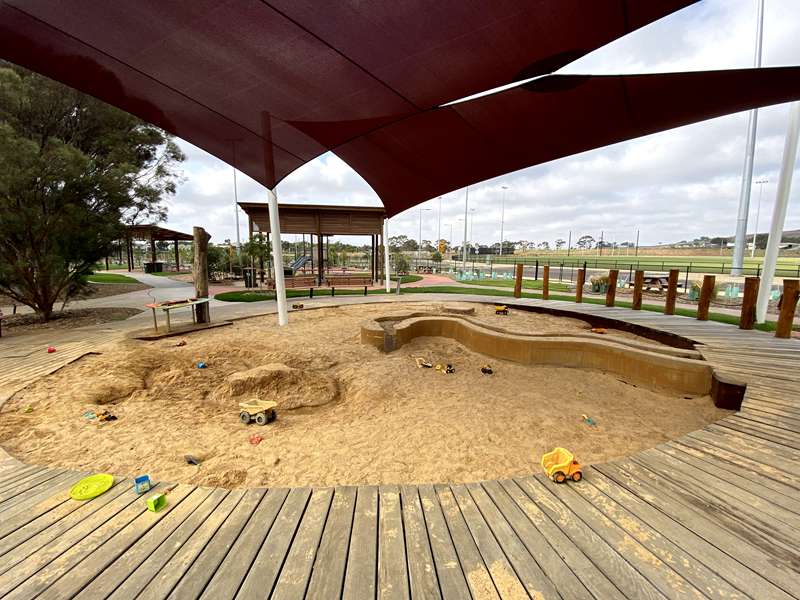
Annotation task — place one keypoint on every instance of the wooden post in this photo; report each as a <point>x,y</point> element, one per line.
<point>200,271</point>
<point>788,304</point>
<point>518,282</point>
<point>748,316</point>
<point>546,282</point>
<point>706,292</point>
<point>611,292</point>
<point>320,274</point>
<point>177,257</point>
<point>638,283</point>
<point>579,285</point>
<point>672,292</point>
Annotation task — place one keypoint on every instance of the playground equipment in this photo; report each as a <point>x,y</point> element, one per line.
<point>262,411</point>
<point>560,464</point>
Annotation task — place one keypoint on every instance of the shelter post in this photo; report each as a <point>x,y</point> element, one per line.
<point>386,253</point>
<point>277,257</point>
<point>177,256</point>
<point>153,257</point>
<point>200,269</point>
<point>779,212</point>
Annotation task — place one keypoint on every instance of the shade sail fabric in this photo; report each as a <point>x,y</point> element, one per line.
<point>267,85</point>
<point>448,148</point>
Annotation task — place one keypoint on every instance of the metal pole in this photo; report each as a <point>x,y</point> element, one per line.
<point>277,257</point>
<point>760,183</point>
<point>439,233</point>
<point>569,242</point>
<point>637,243</point>
<point>386,254</point>
<point>779,212</point>
<point>502,217</point>
<point>236,206</point>
<point>747,170</point>
<point>419,244</point>
<point>466,211</point>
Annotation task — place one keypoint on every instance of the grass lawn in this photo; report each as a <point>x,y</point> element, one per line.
<point>527,284</point>
<point>110,278</point>
<point>168,273</point>
<point>407,278</point>
<point>250,296</point>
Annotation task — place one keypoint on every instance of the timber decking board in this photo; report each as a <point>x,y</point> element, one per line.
<point>714,513</point>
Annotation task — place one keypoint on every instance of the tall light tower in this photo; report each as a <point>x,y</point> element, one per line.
<point>439,232</point>
<point>466,212</point>
<point>419,245</point>
<point>747,171</point>
<point>760,183</point>
<point>502,217</point>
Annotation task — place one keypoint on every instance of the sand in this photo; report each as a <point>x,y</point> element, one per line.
<point>348,414</point>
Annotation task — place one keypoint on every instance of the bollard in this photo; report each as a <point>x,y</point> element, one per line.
<point>579,285</point>
<point>611,291</point>
<point>546,282</point>
<point>748,317</point>
<point>787,305</point>
<point>672,292</point>
<point>706,292</point>
<point>638,284</point>
<point>518,280</point>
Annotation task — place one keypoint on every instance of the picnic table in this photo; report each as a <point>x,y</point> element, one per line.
<point>169,305</point>
<point>660,282</point>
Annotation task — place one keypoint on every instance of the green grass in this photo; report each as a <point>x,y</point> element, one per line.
<point>251,296</point>
<point>407,278</point>
<point>168,273</point>
<point>527,284</point>
<point>109,278</point>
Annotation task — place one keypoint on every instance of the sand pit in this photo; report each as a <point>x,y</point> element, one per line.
<point>347,413</point>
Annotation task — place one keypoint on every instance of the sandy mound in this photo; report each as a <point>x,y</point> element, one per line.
<point>290,388</point>
<point>109,388</point>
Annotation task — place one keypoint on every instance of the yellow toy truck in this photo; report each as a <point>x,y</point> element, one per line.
<point>500,309</point>
<point>560,464</point>
<point>260,411</point>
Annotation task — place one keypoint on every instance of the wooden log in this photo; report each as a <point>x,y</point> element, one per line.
<point>706,292</point>
<point>788,305</point>
<point>748,316</point>
<point>518,281</point>
<point>611,291</point>
<point>672,292</point>
<point>200,271</point>
<point>546,283</point>
<point>581,280</point>
<point>638,283</point>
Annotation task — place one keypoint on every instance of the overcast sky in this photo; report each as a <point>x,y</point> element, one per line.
<point>674,185</point>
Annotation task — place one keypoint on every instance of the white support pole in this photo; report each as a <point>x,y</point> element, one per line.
<point>779,212</point>
<point>466,212</point>
<point>386,270</point>
<point>277,257</point>
<point>740,241</point>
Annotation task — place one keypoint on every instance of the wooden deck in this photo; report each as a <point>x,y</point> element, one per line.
<point>713,514</point>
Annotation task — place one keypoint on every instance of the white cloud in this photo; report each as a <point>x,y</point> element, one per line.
<point>672,185</point>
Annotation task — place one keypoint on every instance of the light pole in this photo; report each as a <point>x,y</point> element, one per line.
<point>419,246</point>
<point>466,211</point>
<point>472,211</point>
<point>502,217</point>
<point>439,233</point>
<point>760,183</point>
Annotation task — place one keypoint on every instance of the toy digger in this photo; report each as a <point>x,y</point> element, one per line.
<point>260,411</point>
<point>500,309</point>
<point>561,464</point>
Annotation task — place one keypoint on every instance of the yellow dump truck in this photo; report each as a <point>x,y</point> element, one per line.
<point>560,464</point>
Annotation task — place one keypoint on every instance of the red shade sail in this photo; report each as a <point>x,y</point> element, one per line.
<point>267,85</point>
<point>440,150</point>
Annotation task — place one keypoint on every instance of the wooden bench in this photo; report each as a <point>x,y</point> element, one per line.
<point>172,305</point>
<point>348,280</point>
<point>292,282</point>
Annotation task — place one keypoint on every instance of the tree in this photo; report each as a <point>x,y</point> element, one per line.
<point>560,243</point>
<point>544,246</point>
<point>436,256</point>
<point>585,242</point>
<point>401,264</point>
<point>72,169</point>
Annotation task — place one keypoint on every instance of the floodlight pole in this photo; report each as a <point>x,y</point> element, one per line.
<point>439,234</point>
<point>386,272</point>
<point>466,212</point>
<point>277,257</point>
<point>760,183</point>
<point>747,171</point>
<point>236,206</point>
<point>502,217</point>
<point>779,212</point>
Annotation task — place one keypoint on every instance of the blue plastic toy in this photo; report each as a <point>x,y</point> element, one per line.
<point>142,484</point>
<point>201,365</point>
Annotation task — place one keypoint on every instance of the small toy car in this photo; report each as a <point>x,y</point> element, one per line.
<point>500,309</point>
<point>260,411</point>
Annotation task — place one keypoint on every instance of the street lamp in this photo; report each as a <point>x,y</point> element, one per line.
<point>471,224</point>
<point>419,246</point>
<point>439,233</point>
<point>502,217</point>
<point>760,183</point>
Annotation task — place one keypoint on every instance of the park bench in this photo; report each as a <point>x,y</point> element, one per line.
<point>170,305</point>
<point>292,282</point>
<point>347,280</point>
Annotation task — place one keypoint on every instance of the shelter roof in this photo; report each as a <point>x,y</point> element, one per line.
<point>319,219</point>
<point>159,234</point>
